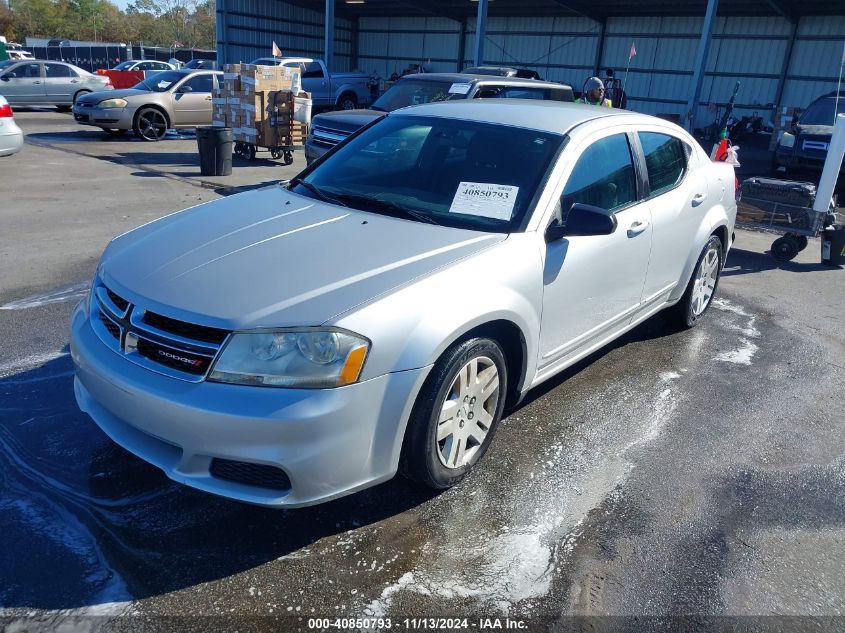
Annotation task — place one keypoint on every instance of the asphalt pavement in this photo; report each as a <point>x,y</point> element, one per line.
<point>674,480</point>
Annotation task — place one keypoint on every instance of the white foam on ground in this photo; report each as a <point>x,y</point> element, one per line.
<point>67,293</point>
<point>518,565</point>
<point>30,362</point>
<point>744,353</point>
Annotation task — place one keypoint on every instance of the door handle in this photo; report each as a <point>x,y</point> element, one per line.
<point>637,227</point>
<point>35,83</point>
<point>74,81</point>
<point>698,198</point>
<point>208,98</point>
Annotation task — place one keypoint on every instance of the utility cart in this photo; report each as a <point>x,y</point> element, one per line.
<point>784,207</point>
<point>281,131</point>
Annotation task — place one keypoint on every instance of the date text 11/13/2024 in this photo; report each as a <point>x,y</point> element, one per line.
<point>417,624</point>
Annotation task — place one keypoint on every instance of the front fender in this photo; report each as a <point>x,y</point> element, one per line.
<point>411,327</point>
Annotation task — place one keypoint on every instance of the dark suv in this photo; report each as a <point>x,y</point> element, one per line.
<point>330,128</point>
<point>804,146</point>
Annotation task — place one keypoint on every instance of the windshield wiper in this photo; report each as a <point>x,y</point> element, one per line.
<point>377,204</point>
<point>316,191</point>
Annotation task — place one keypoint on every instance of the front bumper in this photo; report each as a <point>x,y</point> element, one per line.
<point>114,118</point>
<point>329,442</point>
<point>799,161</point>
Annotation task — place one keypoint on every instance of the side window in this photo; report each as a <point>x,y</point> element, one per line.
<point>160,66</point>
<point>665,159</point>
<point>25,71</point>
<point>57,70</point>
<point>602,177</point>
<point>144,66</point>
<point>200,83</point>
<point>312,70</point>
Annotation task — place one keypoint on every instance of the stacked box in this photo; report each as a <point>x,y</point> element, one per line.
<point>257,103</point>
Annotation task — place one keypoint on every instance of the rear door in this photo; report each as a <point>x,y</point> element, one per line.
<point>678,201</point>
<point>60,83</point>
<point>192,101</point>
<point>314,80</point>
<point>23,84</point>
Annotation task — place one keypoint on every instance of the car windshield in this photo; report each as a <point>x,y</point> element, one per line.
<point>465,174</point>
<point>124,66</point>
<point>821,112</point>
<point>409,92</point>
<point>160,81</point>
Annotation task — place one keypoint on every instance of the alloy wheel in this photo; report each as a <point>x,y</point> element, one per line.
<point>151,125</point>
<point>468,412</point>
<point>705,281</point>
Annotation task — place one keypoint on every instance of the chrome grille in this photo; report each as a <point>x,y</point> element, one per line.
<point>154,341</point>
<point>327,136</point>
<point>819,146</point>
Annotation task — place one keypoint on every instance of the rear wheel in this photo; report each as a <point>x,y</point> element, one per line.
<point>347,101</point>
<point>150,124</point>
<point>456,414</point>
<point>785,248</point>
<point>701,287</point>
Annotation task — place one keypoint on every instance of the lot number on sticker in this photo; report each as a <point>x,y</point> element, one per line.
<point>485,200</point>
<point>459,89</point>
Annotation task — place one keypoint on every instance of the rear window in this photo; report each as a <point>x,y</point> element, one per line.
<point>408,92</point>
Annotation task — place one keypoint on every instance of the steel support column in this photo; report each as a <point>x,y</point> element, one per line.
<point>599,47</point>
<point>480,32</point>
<point>222,28</point>
<point>787,60</point>
<point>462,45</point>
<point>700,63</point>
<point>356,34</point>
<point>329,44</point>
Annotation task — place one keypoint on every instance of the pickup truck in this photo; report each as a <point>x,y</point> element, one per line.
<point>330,128</point>
<point>344,91</point>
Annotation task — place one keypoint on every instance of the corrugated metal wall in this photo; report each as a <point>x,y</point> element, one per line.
<point>751,50</point>
<point>246,29</point>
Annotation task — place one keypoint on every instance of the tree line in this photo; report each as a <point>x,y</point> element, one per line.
<point>188,23</point>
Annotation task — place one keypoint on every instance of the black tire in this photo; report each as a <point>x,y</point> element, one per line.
<point>249,152</point>
<point>150,124</point>
<point>114,131</point>
<point>423,457</point>
<point>347,101</point>
<point>686,313</point>
<point>288,158</point>
<point>802,242</point>
<point>784,249</point>
<point>63,108</point>
<point>81,93</point>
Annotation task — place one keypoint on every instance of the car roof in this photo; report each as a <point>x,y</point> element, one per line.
<point>468,78</point>
<point>549,116</point>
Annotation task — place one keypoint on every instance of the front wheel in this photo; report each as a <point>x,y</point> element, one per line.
<point>347,101</point>
<point>456,414</point>
<point>150,124</point>
<point>701,287</point>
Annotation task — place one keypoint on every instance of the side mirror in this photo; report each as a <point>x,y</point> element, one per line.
<point>583,219</point>
<point>184,89</point>
<point>4,78</point>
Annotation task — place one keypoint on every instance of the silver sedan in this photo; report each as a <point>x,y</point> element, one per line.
<point>47,83</point>
<point>302,341</point>
<point>169,99</point>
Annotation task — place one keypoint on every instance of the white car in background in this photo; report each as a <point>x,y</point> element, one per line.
<point>11,136</point>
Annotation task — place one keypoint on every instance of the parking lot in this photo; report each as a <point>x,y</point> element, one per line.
<point>673,473</point>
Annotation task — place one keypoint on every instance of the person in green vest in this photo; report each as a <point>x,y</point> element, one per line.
<point>593,93</point>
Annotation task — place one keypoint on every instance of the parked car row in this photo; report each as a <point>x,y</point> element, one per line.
<point>47,83</point>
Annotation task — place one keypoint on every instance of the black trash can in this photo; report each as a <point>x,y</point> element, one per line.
<point>833,246</point>
<point>215,148</point>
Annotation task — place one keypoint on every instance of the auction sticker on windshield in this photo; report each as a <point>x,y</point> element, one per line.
<point>485,200</point>
<point>459,89</point>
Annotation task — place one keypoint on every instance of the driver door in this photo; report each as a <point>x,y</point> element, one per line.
<point>192,101</point>
<point>593,283</point>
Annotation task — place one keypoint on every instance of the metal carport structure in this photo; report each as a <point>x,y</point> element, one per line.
<point>785,52</point>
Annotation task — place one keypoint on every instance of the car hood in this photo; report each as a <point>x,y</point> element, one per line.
<point>124,93</point>
<point>271,258</point>
<point>815,130</point>
<point>347,120</point>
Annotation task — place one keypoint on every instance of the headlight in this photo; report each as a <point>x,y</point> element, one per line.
<point>304,359</point>
<point>787,140</point>
<point>112,103</point>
